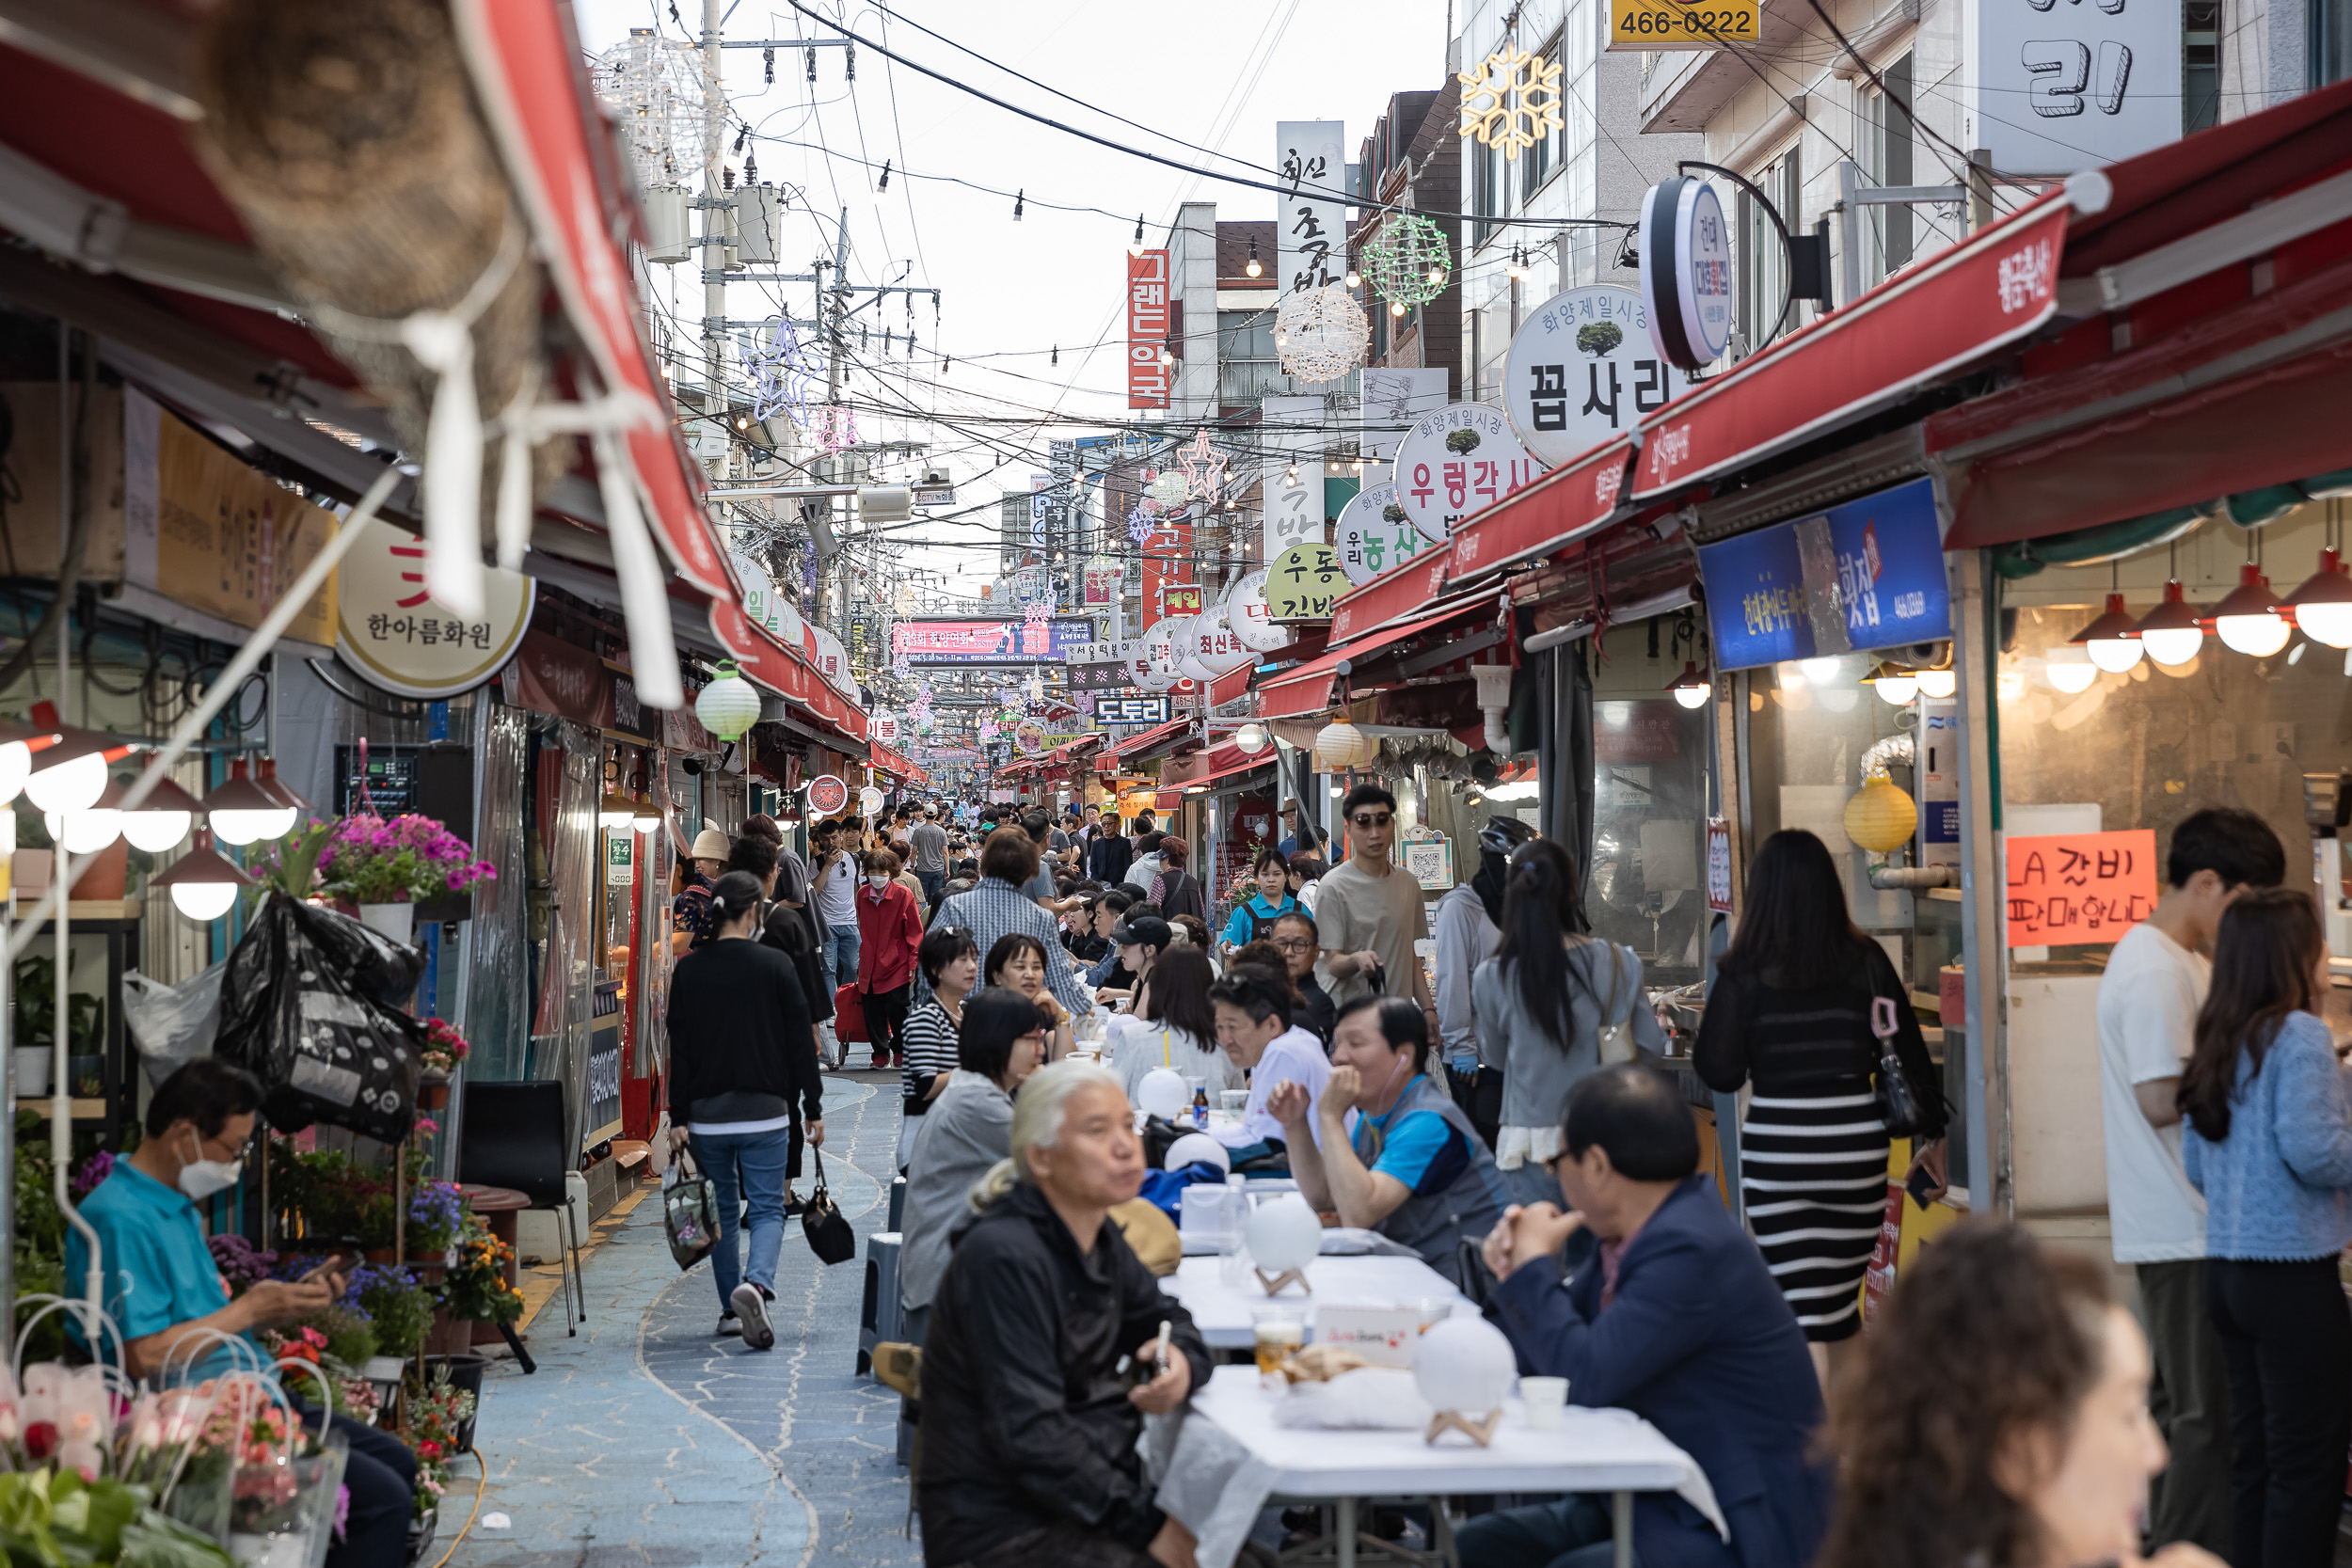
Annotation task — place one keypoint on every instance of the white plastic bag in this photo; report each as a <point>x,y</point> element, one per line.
<point>171,1025</point>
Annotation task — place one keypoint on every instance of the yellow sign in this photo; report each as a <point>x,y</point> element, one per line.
<point>228,540</point>
<point>1302,582</point>
<point>1672,25</point>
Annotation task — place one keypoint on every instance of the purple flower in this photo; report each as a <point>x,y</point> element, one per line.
<point>92,1171</point>
<point>240,1261</point>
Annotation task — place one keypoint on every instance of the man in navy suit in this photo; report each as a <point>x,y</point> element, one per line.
<point>1675,1319</point>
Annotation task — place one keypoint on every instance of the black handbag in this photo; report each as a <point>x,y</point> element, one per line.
<point>829,1234</point>
<point>1898,1102</point>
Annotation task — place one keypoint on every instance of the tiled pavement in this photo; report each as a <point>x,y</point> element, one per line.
<point>647,1441</point>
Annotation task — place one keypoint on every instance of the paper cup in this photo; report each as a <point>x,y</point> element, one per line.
<point>1545,1398</point>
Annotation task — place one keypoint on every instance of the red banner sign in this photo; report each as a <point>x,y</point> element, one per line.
<point>2076,889</point>
<point>1148,321</point>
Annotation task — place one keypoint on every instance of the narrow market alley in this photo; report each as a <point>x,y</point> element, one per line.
<point>646,1441</point>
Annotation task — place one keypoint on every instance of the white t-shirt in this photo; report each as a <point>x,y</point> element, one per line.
<point>2148,1003</point>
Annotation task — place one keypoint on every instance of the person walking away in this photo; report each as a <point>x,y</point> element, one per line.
<point>1469,925</point>
<point>931,854</point>
<point>2038,1457</point>
<point>2268,1141</point>
<point>1371,911</point>
<point>836,895</point>
<point>1108,856</point>
<point>1176,1027</point>
<point>1030,1441</point>
<point>1791,1011</point>
<point>1542,1002</point>
<point>1254,917</point>
<point>1018,963</point>
<point>692,924</point>
<point>995,907</point>
<point>781,928</point>
<point>2149,997</point>
<point>1295,938</point>
<point>742,1050</point>
<point>1675,1319</point>
<point>1144,863</point>
<point>1414,1169</point>
<point>1175,890</point>
<point>950,966</point>
<point>1306,879</point>
<point>1000,1041</point>
<point>888,931</point>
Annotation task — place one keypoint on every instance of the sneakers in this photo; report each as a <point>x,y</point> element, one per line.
<point>730,1326</point>
<point>794,1203</point>
<point>881,1061</point>
<point>751,1305</point>
<point>829,1048</point>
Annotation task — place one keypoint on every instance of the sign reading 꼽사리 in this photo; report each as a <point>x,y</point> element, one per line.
<point>1582,370</point>
<point>2078,890</point>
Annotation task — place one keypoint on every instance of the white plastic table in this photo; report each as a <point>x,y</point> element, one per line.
<point>1591,1451</point>
<point>1221,1311</point>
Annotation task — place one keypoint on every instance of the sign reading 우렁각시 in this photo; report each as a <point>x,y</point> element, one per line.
<point>1459,460</point>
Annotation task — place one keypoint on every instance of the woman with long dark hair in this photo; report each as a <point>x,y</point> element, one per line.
<point>1790,1010</point>
<point>1541,1003</point>
<point>1177,1027</point>
<point>2268,1141</point>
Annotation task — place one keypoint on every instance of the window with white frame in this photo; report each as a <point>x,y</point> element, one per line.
<point>1761,259</point>
<point>1890,232</point>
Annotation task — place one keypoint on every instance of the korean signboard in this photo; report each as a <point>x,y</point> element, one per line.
<point>393,633</point>
<point>1457,460</point>
<point>1312,232</point>
<point>2076,889</point>
<point>1293,507</point>
<point>1148,321</point>
<point>1102,581</point>
<point>1369,541</point>
<point>1866,573</point>
<point>1179,599</point>
<point>1582,370</point>
<point>2062,89</point>
<point>1393,403</point>
<point>1131,710</point>
<point>988,641</point>
<point>1302,582</point>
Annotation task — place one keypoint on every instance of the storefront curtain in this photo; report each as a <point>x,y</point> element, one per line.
<point>1565,749</point>
<point>497,1013</point>
<point>570,761</point>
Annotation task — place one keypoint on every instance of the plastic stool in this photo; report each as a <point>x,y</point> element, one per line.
<point>881,1315</point>
<point>897,1202</point>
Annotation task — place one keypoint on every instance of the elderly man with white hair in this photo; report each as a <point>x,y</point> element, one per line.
<point>1029,1419</point>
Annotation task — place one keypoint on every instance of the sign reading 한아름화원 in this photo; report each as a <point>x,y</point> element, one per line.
<point>1866,574</point>
<point>2079,890</point>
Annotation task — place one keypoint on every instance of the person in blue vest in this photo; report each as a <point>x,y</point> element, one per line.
<point>1675,1317</point>
<point>1254,917</point>
<point>1415,1170</point>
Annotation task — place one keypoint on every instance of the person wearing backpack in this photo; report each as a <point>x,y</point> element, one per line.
<point>1553,1006</point>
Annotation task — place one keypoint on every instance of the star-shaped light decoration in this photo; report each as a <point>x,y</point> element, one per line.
<point>1204,467</point>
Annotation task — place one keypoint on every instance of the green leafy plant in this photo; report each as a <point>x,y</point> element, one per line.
<point>290,865</point>
<point>350,1335</point>
<point>398,1307</point>
<point>476,1288</point>
<point>37,1010</point>
<point>53,1518</point>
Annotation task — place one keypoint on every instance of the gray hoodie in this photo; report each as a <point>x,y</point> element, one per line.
<point>967,1129</point>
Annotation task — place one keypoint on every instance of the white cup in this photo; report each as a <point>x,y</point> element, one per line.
<point>1545,1399</point>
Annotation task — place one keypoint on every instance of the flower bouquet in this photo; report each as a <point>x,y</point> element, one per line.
<point>444,1048</point>
<point>476,1288</point>
<point>440,1426</point>
<point>408,858</point>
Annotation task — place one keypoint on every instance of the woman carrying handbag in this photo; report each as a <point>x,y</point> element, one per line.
<point>1796,1007</point>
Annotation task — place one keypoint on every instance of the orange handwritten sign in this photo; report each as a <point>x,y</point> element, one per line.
<point>2077,890</point>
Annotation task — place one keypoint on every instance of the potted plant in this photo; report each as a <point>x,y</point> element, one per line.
<point>388,866</point>
<point>479,1290</point>
<point>444,1048</point>
<point>399,1307</point>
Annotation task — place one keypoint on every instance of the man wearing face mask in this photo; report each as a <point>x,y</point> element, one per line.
<point>163,1290</point>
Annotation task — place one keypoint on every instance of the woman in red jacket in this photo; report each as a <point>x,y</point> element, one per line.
<point>889,930</point>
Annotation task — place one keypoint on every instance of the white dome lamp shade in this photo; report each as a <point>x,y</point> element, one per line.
<point>1162,1093</point>
<point>2112,639</point>
<point>1939,684</point>
<point>163,819</point>
<point>617,815</point>
<point>19,744</point>
<point>2069,670</point>
<point>2170,632</point>
<point>240,811</point>
<point>2323,605</point>
<point>645,818</point>
<point>1283,1236</point>
<point>2247,618</point>
<point>203,883</point>
<point>1194,1149</point>
<point>70,774</point>
<point>1463,1367</point>
<point>1691,689</point>
<point>1342,746</point>
<point>88,831</point>
<point>1895,687</point>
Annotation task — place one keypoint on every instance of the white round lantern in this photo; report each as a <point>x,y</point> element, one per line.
<point>1250,738</point>
<point>1283,1234</point>
<point>1167,489</point>
<point>1163,1094</point>
<point>728,705</point>
<point>1342,746</point>
<point>1194,1149</point>
<point>1465,1365</point>
<point>1245,612</point>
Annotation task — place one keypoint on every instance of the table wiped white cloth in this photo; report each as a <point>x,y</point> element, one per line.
<point>1221,1311</point>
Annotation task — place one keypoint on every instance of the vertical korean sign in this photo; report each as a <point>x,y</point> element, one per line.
<point>1147,328</point>
<point>1312,232</point>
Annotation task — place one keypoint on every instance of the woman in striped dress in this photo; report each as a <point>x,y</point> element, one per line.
<point>1789,1012</point>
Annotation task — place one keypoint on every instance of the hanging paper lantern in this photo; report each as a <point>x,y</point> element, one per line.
<point>1321,333</point>
<point>728,705</point>
<point>1881,816</point>
<point>1342,746</point>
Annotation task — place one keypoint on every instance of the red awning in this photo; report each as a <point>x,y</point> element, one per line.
<point>1405,589</point>
<point>1156,735</point>
<point>1558,509</point>
<point>766,662</point>
<point>1308,688</point>
<point>1206,770</point>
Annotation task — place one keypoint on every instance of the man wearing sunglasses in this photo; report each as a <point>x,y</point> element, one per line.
<point>1371,911</point>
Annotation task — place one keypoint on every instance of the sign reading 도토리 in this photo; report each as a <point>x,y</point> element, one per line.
<point>2079,890</point>
<point>399,639</point>
<point>1866,574</point>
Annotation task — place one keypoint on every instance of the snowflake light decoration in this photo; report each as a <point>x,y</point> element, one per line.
<point>1408,260</point>
<point>1203,467</point>
<point>780,382</point>
<point>1322,333</point>
<point>1141,525</point>
<point>1512,101</point>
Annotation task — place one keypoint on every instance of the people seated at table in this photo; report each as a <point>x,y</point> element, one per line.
<point>1295,937</point>
<point>1254,1029</point>
<point>1415,1169</point>
<point>967,1129</point>
<point>1675,1319</point>
<point>1175,1026</point>
<point>1031,1418</point>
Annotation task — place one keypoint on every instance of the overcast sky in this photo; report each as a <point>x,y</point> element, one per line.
<point>1215,73</point>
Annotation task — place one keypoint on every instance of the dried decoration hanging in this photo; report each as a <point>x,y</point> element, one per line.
<point>1512,101</point>
<point>1321,333</point>
<point>1408,262</point>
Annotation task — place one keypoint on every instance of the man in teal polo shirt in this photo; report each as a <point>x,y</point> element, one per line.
<point>162,1287</point>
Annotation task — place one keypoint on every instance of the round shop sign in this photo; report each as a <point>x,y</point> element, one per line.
<point>1029,736</point>
<point>886,728</point>
<point>1216,646</point>
<point>869,801</point>
<point>1583,370</point>
<point>1686,271</point>
<point>1187,657</point>
<point>400,640</point>
<point>1302,584</point>
<point>828,796</point>
<point>1245,612</point>
<point>1154,664</point>
<point>1456,461</point>
<point>1369,541</point>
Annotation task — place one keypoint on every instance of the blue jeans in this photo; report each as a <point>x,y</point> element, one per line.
<point>745,1169</point>
<point>839,955</point>
<point>932,882</point>
<point>1573,1532</point>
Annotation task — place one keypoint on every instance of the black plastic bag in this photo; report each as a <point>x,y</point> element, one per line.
<point>305,1009</point>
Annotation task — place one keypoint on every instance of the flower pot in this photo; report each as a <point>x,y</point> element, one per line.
<point>30,1076</point>
<point>396,921</point>
<point>421,1531</point>
<point>465,1374</point>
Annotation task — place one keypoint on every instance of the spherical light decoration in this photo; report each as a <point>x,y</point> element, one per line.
<point>1250,738</point>
<point>1342,746</point>
<point>69,786</point>
<point>728,705</point>
<point>1463,1364</point>
<point>1169,489</point>
<point>1281,1234</point>
<point>1162,1093</point>
<point>1323,333</point>
<point>1194,1149</point>
<point>1880,818</point>
<point>203,883</point>
<point>1408,262</point>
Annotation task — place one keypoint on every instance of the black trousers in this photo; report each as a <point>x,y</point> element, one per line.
<point>381,1475</point>
<point>886,1018</point>
<point>2287,1337</point>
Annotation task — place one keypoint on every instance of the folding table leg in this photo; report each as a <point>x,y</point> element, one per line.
<point>1442,1534</point>
<point>1621,1527</point>
<point>1345,1535</point>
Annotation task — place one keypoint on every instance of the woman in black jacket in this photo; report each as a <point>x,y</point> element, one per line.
<point>1029,1428</point>
<point>741,1050</point>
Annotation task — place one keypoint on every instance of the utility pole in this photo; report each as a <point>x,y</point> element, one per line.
<point>714,259</point>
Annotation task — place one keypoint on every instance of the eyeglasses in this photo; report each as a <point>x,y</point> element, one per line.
<point>1368,819</point>
<point>1293,946</point>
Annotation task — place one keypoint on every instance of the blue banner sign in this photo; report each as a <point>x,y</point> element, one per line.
<point>1866,574</point>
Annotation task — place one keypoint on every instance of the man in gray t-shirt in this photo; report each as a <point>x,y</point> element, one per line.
<point>931,854</point>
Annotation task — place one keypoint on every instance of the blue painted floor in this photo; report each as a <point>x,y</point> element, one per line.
<point>647,1440</point>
